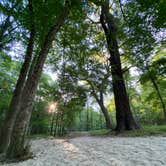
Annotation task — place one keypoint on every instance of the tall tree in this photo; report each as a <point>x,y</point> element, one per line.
<point>17,143</point>
<point>95,76</point>
<point>143,25</point>
<point>124,117</point>
<point>7,127</point>
<point>88,66</point>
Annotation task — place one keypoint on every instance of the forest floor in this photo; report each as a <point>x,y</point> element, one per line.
<point>88,150</point>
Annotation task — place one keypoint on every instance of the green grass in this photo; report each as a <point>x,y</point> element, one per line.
<point>99,132</point>
<point>38,136</point>
<point>144,131</point>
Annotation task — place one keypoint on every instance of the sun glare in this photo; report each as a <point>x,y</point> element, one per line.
<point>52,107</point>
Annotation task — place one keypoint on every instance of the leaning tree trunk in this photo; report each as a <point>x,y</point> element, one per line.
<point>124,118</point>
<point>7,126</point>
<point>109,124</point>
<point>100,102</point>
<point>152,78</point>
<point>17,145</point>
<point>159,95</point>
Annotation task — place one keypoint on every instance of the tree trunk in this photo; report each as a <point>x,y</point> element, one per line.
<point>102,107</point>
<point>91,119</point>
<point>124,118</point>
<point>159,95</point>
<point>55,125</point>
<point>17,145</point>
<point>100,120</point>
<point>7,126</point>
<point>87,119</point>
<point>104,110</point>
<point>106,116</point>
<point>80,120</point>
<point>52,123</point>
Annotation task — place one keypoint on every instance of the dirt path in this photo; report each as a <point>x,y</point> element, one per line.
<point>98,151</point>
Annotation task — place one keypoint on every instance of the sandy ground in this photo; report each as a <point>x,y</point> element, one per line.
<point>97,151</point>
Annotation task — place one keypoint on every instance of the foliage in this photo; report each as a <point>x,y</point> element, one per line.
<point>79,58</point>
<point>8,76</point>
<point>40,119</point>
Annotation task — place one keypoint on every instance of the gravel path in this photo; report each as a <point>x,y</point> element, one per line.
<point>97,151</point>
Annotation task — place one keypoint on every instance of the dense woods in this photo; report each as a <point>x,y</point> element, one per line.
<point>70,65</point>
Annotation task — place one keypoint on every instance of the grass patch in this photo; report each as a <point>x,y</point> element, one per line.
<point>38,136</point>
<point>144,131</point>
<point>99,132</point>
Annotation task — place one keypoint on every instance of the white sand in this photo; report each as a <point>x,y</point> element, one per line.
<point>97,151</point>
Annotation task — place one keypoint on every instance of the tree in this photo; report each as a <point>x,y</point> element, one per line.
<point>9,32</point>
<point>14,104</point>
<point>8,75</point>
<point>42,107</point>
<point>142,27</point>
<point>70,99</point>
<point>85,59</point>
<point>95,76</point>
<point>124,116</point>
<point>17,146</point>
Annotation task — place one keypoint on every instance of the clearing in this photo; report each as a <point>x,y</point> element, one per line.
<point>97,151</point>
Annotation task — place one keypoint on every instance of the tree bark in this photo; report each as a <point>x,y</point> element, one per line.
<point>7,126</point>
<point>17,145</point>
<point>124,118</point>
